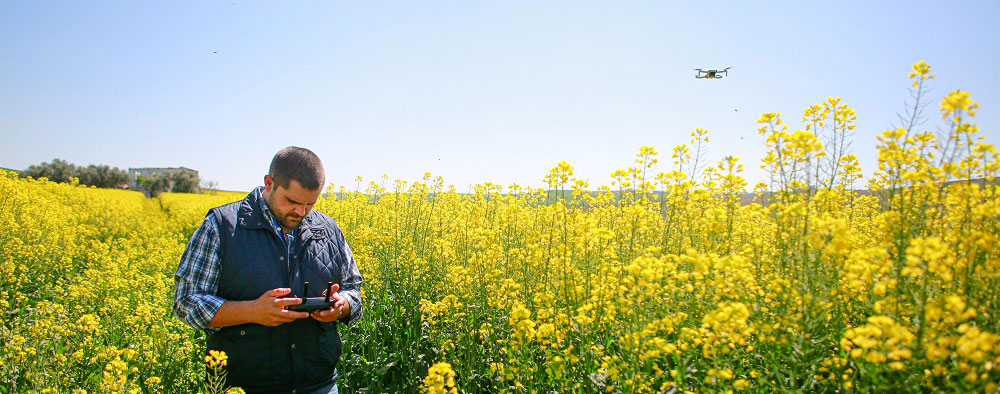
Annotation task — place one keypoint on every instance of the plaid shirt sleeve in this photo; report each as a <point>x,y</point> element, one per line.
<point>350,283</point>
<point>197,278</point>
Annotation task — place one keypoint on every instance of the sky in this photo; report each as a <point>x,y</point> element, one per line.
<point>475,92</point>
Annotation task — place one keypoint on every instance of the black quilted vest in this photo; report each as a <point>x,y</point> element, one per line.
<point>294,357</point>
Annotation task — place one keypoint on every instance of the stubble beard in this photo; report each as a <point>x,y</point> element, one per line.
<point>283,219</point>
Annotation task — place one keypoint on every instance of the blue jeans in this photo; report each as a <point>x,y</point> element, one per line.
<point>328,389</point>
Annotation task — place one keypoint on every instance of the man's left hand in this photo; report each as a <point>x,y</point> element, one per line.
<point>340,309</point>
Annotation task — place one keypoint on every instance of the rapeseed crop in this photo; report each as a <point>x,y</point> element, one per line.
<point>662,282</point>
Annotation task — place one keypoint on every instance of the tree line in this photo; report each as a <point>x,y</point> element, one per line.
<point>105,176</point>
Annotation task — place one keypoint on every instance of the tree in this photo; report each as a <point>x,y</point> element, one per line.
<point>211,185</point>
<point>56,171</point>
<point>154,184</point>
<point>92,175</point>
<point>172,179</point>
<point>184,182</point>
<point>102,176</point>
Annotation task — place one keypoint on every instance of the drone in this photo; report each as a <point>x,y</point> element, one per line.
<point>711,74</point>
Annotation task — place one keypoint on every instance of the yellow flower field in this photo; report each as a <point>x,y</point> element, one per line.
<point>657,283</point>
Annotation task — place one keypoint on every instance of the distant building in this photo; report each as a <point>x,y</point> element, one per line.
<point>135,173</point>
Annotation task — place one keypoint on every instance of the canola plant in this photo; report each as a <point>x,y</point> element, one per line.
<point>661,282</point>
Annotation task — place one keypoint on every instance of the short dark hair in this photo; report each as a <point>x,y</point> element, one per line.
<point>300,164</point>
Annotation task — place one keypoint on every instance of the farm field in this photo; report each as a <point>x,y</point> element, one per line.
<point>511,289</point>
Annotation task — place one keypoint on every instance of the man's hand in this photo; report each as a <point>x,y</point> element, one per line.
<point>340,307</point>
<point>269,310</point>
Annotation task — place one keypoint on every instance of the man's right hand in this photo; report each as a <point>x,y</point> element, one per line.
<point>269,310</point>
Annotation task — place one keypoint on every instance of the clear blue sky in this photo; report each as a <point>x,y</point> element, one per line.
<point>472,91</point>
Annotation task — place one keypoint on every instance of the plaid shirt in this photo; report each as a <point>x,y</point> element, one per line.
<point>197,276</point>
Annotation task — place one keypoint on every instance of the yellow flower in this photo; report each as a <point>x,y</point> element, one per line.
<point>440,379</point>
<point>957,101</point>
<point>216,358</point>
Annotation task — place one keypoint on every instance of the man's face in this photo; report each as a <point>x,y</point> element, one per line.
<point>289,206</point>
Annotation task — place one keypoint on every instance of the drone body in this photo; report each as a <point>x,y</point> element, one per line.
<point>711,74</point>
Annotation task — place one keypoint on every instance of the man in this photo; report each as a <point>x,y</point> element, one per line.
<point>250,259</point>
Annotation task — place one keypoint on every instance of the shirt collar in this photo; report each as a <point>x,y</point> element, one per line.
<point>269,217</point>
